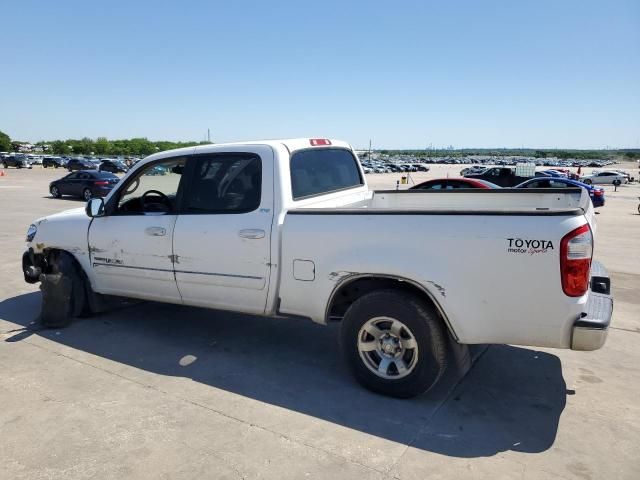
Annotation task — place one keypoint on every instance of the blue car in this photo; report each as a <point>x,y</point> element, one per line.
<point>596,193</point>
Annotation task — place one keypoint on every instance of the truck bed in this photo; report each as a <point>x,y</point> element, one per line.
<point>463,247</point>
<point>538,201</point>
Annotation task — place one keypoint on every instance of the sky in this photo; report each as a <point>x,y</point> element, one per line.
<point>403,74</point>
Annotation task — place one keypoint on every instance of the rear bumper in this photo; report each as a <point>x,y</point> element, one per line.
<point>591,329</point>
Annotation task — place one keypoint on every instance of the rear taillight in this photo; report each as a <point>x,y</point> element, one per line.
<point>576,249</point>
<point>598,193</point>
<point>101,182</point>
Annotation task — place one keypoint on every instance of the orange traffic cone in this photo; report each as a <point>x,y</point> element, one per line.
<point>2,174</point>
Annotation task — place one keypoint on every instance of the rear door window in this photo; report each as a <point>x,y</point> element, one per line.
<point>323,170</point>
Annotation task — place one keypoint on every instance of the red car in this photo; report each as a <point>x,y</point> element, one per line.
<point>453,183</point>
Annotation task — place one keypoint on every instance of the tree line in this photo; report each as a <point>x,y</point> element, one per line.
<point>104,146</point>
<point>143,146</point>
<point>100,146</point>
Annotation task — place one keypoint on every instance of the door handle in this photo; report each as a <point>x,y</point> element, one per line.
<point>155,231</point>
<point>254,233</point>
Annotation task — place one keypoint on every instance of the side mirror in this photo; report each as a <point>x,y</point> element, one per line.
<point>95,207</point>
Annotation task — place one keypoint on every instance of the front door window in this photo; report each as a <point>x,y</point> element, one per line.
<point>153,190</point>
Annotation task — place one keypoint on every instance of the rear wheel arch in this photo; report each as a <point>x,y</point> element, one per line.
<point>353,287</point>
<point>394,343</point>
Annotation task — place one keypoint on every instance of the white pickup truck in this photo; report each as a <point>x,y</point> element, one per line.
<point>290,228</point>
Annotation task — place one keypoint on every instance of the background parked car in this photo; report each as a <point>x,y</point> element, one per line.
<point>473,170</point>
<point>18,161</point>
<point>85,184</point>
<point>157,170</point>
<point>80,164</point>
<point>453,183</point>
<point>55,162</point>
<point>502,176</point>
<point>596,193</point>
<point>605,177</point>
<point>563,172</point>
<point>556,173</point>
<point>113,166</point>
<point>621,172</point>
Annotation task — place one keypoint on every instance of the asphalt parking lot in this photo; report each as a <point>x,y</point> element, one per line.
<point>162,391</point>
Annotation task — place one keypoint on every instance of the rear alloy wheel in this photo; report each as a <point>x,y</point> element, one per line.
<point>387,348</point>
<point>86,194</point>
<point>394,343</point>
<point>55,193</point>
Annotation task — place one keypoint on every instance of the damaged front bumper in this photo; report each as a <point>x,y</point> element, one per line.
<point>31,266</point>
<point>590,330</point>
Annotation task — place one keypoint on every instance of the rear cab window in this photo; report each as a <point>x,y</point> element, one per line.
<point>318,171</point>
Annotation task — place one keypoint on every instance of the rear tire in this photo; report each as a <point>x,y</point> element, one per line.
<point>588,181</point>
<point>394,343</point>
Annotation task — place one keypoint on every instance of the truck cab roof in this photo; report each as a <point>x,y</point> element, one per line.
<point>290,144</point>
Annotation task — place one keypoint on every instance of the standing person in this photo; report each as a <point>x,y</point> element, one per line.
<point>579,169</point>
